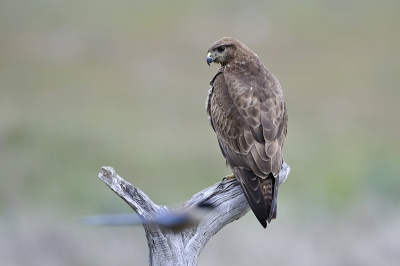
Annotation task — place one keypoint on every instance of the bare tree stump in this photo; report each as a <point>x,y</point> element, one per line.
<point>182,245</point>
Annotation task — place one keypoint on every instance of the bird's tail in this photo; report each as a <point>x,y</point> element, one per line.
<point>261,194</point>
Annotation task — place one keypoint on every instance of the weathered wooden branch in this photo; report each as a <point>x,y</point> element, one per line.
<point>181,245</point>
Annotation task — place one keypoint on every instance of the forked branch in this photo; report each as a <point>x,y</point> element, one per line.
<point>176,237</point>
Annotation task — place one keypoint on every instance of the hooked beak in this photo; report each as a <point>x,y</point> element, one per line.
<point>209,59</point>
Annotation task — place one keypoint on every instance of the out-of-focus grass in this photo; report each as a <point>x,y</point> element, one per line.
<point>123,83</point>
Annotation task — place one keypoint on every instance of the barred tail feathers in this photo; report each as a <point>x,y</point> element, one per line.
<point>260,193</point>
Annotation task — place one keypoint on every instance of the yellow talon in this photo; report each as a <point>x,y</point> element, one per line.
<point>228,177</point>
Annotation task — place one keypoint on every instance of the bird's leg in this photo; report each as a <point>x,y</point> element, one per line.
<point>228,177</point>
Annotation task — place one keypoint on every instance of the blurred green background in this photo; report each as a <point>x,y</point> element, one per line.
<point>85,84</point>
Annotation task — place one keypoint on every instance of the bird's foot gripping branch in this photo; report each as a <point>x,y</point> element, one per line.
<point>176,237</point>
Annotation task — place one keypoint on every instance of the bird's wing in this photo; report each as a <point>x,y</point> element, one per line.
<point>250,123</point>
<point>260,102</point>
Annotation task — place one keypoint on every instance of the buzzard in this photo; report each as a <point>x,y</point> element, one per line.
<point>247,111</point>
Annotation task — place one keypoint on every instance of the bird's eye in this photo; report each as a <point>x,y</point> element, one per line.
<point>221,49</point>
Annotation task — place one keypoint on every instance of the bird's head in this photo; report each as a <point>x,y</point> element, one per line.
<point>223,50</point>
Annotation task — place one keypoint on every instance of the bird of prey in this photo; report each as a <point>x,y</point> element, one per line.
<point>247,111</point>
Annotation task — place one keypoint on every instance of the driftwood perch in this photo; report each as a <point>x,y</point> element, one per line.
<point>182,245</point>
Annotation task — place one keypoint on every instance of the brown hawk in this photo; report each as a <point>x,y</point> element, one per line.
<point>248,114</point>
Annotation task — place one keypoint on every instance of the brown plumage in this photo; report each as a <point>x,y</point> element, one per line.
<point>248,114</point>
